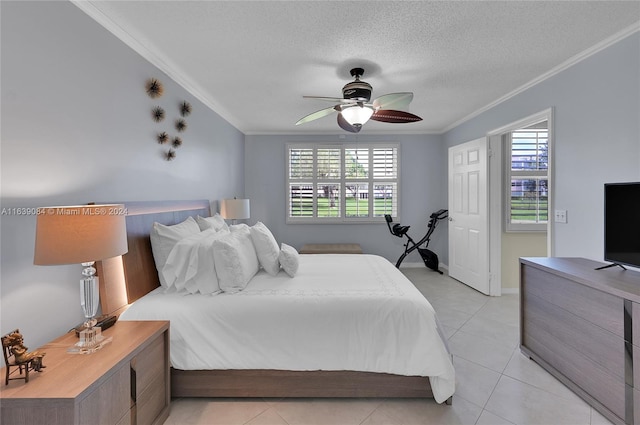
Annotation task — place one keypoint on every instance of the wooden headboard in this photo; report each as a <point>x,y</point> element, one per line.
<point>126,279</point>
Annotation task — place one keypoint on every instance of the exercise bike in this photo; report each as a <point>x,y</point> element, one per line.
<point>429,257</point>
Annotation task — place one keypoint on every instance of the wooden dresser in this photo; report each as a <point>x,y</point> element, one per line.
<point>125,382</point>
<point>583,326</point>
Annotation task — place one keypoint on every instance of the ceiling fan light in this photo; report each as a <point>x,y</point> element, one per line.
<point>357,115</point>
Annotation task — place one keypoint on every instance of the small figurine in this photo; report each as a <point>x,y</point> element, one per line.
<point>15,342</point>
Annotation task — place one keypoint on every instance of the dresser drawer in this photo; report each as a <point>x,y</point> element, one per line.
<point>547,334</point>
<point>635,317</point>
<point>150,363</point>
<point>592,342</point>
<point>151,401</point>
<point>110,403</point>
<point>151,373</point>
<point>597,307</point>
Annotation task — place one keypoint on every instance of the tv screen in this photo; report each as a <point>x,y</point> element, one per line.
<point>622,223</point>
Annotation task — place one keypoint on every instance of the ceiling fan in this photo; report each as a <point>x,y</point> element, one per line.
<point>354,108</point>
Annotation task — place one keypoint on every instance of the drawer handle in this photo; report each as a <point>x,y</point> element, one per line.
<point>133,384</point>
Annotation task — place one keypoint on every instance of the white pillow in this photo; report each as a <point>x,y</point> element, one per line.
<point>242,227</point>
<point>289,259</point>
<point>235,258</point>
<point>266,248</point>
<point>190,265</point>
<point>163,238</point>
<point>215,222</point>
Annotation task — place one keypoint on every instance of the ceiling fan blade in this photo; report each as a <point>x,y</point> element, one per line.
<point>330,99</point>
<point>389,115</point>
<point>393,100</point>
<point>346,126</point>
<point>318,114</point>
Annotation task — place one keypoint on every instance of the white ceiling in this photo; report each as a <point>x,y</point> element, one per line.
<point>252,61</point>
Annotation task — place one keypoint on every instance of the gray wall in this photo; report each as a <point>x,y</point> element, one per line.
<point>423,190</point>
<point>76,128</point>
<point>597,137</point>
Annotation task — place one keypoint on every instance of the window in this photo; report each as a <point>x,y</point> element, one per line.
<point>528,178</point>
<point>337,183</point>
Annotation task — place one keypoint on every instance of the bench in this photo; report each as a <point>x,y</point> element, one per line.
<point>331,248</point>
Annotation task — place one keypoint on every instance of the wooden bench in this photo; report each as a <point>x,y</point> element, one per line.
<point>331,248</point>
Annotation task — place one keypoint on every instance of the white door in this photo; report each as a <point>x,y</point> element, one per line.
<point>468,215</point>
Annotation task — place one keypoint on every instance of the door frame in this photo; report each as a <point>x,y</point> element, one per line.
<point>496,177</point>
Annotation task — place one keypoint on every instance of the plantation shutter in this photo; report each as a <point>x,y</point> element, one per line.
<point>528,178</point>
<point>301,164</point>
<point>341,183</point>
<point>385,181</point>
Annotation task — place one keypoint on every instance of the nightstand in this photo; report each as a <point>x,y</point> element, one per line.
<point>125,382</point>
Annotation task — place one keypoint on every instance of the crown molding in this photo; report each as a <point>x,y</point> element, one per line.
<point>626,32</point>
<point>165,65</point>
<point>173,71</point>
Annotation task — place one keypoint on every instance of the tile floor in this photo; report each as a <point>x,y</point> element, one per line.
<point>495,383</point>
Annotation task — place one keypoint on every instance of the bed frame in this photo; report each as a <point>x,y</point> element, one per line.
<point>128,278</point>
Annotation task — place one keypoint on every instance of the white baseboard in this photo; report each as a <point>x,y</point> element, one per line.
<point>510,291</point>
<point>408,265</point>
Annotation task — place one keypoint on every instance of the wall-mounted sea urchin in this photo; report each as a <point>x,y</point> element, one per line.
<point>154,88</point>
<point>157,113</point>
<point>185,108</point>
<point>163,137</point>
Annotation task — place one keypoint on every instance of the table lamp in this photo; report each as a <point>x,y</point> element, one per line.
<point>82,234</point>
<point>235,209</point>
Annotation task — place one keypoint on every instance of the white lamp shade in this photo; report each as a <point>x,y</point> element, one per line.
<point>79,234</point>
<point>357,115</point>
<point>235,209</point>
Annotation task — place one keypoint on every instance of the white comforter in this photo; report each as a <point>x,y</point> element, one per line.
<point>340,312</point>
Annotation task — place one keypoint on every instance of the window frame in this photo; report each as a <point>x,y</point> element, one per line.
<point>343,182</point>
<point>509,175</point>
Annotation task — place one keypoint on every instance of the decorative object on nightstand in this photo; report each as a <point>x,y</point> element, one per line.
<point>82,234</point>
<point>235,209</point>
<point>17,355</point>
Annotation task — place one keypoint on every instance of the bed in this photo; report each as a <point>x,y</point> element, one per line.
<point>343,326</point>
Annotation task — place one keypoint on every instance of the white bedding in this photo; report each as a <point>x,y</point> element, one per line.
<point>340,312</point>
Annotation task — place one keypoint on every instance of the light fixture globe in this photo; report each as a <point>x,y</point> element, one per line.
<point>357,115</point>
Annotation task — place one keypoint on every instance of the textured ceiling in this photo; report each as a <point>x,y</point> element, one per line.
<point>253,61</point>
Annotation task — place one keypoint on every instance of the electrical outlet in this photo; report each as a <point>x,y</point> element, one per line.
<point>561,216</point>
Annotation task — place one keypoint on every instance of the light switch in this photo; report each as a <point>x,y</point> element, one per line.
<point>561,216</point>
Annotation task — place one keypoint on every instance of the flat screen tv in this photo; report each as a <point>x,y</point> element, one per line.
<point>622,223</point>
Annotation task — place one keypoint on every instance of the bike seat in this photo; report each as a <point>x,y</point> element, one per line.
<point>400,230</point>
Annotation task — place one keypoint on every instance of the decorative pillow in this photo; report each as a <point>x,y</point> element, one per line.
<point>235,259</point>
<point>242,227</point>
<point>289,259</point>
<point>190,266</point>
<point>215,222</point>
<point>266,248</point>
<point>163,238</point>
